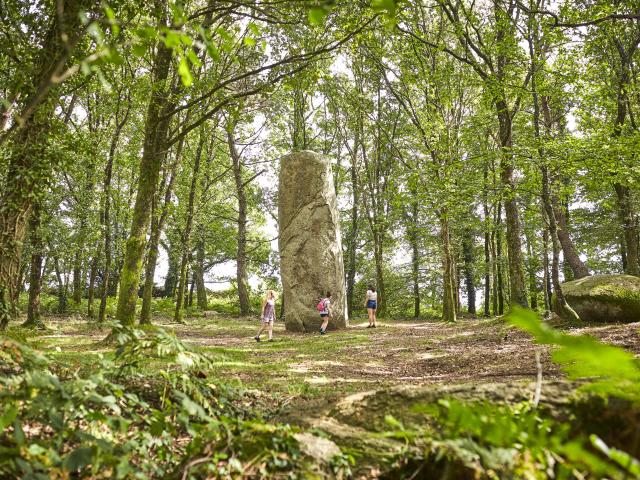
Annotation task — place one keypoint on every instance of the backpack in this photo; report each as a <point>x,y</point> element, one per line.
<point>321,305</point>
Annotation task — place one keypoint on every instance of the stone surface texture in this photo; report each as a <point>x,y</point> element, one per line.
<point>604,298</point>
<point>310,244</point>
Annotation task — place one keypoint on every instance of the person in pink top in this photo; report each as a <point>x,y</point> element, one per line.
<point>268,314</point>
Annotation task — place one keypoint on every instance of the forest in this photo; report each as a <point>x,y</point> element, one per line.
<point>483,204</point>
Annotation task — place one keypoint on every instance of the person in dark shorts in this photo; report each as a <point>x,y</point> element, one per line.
<point>371,304</point>
<point>325,313</point>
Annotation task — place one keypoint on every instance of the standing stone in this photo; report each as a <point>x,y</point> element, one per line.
<point>310,243</point>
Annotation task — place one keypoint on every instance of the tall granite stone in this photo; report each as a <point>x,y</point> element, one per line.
<point>309,243</point>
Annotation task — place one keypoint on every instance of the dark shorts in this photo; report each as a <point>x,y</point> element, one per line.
<point>324,315</point>
<point>371,304</point>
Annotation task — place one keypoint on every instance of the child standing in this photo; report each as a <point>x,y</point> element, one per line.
<point>325,313</point>
<point>268,314</point>
<point>371,304</point>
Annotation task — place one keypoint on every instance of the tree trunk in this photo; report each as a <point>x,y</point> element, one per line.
<point>415,273</point>
<point>487,245</point>
<point>241,254</point>
<point>93,272</point>
<point>186,235</point>
<point>532,268</point>
<point>629,227</point>
<point>467,247</point>
<point>62,287</point>
<point>198,272</point>
<point>35,274</point>
<point>155,134</point>
<point>352,237</point>
<point>512,219</point>
<point>564,309</point>
<point>29,166</point>
<point>105,216</point>
<point>569,250</point>
<point>546,277</point>
<point>499,262</point>
<point>157,226</point>
<point>171,280</point>
<point>449,277</point>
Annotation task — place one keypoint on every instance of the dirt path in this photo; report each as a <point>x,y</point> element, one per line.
<point>406,352</point>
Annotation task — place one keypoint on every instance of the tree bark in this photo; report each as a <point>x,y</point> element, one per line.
<point>241,254</point>
<point>532,268</point>
<point>186,235</point>
<point>35,274</point>
<point>29,166</point>
<point>499,279</point>
<point>105,215</point>
<point>546,278</point>
<point>563,308</point>
<point>62,287</point>
<point>512,218</point>
<point>487,245</point>
<point>449,302</point>
<point>198,272</point>
<point>352,237</point>
<point>157,226</point>
<point>155,135</point>
<point>93,272</point>
<point>469,282</point>
<point>569,250</point>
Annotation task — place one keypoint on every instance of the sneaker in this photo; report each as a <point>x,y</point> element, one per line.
<point>257,338</point>
<point>322,332</point>
<point>373,326</point>
<point>271,339</point>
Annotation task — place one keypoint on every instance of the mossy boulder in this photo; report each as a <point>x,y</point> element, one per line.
<point>604,298</point>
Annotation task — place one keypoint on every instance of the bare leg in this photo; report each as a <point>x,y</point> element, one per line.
<point>260,331</point>
<point>325,324</point>
<point>370,312</point>
<point>373,316</point>
<point>270,330</point>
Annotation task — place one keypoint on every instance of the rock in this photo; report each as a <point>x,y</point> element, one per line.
<point>309,243</point>
<point>318,448</point>
<point>604,298</point>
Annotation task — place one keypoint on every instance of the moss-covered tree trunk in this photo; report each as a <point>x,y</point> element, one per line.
<point>155,134</point>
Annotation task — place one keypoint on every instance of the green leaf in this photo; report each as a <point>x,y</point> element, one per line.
<point>317,15</point>
<point>185,73</point>
<point>249,41</point>
<point>393,422</point>
<point>193,58</point>
<point>78,459</point>
<point>139,49</point>
<point>623,459</point>
<point>8,416</point>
